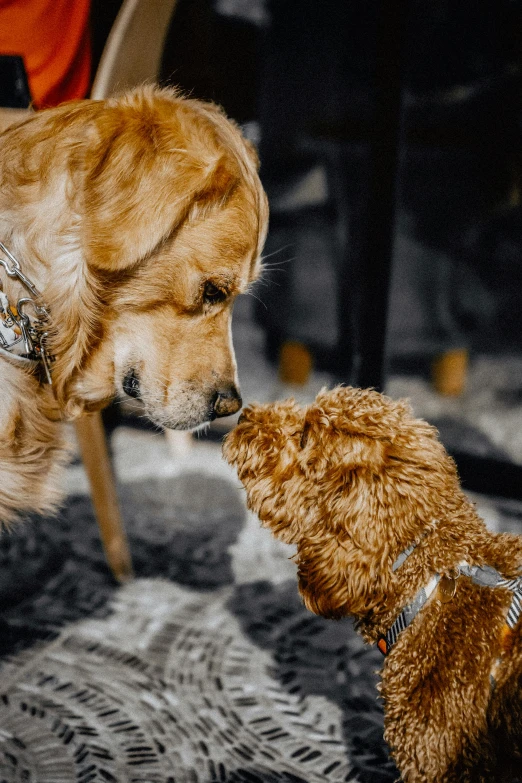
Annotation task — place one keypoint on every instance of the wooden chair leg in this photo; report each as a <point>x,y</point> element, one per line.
<point>449,372</point>
<point>95,455</point>
<point>180,442</point>
<point>295,363</point>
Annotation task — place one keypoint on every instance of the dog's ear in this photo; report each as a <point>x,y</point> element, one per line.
<point>328,447</point>
<point>252,153</point>
<point>142,178</point>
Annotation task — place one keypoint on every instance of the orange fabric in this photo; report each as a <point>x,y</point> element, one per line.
<point>53,38</point>
<point>382,644</point>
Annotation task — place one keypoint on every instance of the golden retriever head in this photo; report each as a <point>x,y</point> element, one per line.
<point>352,479</point>
<point>140,219</point>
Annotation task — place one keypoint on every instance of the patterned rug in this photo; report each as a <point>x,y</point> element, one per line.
<point>205,668</point>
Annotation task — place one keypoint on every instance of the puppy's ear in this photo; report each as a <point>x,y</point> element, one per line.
<point>143,177</point>
<point>328,448</point>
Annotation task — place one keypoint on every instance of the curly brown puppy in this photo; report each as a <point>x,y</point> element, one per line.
<point>385,533</point>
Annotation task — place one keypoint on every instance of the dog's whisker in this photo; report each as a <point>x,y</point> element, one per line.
<point>275,252</point>
<point>268,283</point>
<point>259,284</point>
<point>272,270</point>
<point>268,271</point>
<point>251,293</point>
<point>280,266</point>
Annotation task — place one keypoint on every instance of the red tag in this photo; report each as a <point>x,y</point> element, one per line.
<point>382,644</point>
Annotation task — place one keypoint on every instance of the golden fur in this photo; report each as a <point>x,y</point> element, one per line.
<point>139,219</point>
<point>353,480</point>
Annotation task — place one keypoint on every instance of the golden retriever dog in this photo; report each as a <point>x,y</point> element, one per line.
<point>385,534</point>
<point>135,222</point>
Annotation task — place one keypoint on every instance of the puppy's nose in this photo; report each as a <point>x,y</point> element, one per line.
<point>226,402</point>
<point>131,384</point>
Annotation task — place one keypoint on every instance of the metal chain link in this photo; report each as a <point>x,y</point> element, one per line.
<point>34,333</point>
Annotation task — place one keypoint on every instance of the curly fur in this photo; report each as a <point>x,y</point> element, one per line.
<point>353,480</point>
<point>122,213</point>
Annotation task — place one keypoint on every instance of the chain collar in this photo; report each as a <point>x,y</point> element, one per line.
<point>23,339</point>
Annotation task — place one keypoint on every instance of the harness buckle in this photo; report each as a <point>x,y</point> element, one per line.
<point>447,589</point>
<point>448,586</point>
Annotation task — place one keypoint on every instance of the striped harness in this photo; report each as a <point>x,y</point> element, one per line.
<point>484,576</point>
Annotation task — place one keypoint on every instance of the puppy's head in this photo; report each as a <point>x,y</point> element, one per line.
<point>150,218</point>
<point>353,479</point>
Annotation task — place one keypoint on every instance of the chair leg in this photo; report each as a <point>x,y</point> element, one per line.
<point>295,363</point>
<point>180,442</point>
<point>449,372</point>
<point>95,455</point>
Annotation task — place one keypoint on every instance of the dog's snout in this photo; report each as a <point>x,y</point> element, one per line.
<point>226,402</point>
<point>131,384</point>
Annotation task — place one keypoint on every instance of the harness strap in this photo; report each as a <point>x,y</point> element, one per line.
<point>402,557</point>
<point>406,617</point>
<point>484,576</point>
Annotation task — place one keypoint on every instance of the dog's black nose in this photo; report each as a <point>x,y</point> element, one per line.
<point>131,384</point>
<point>226,402</point>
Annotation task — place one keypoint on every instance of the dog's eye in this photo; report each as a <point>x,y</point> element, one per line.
<point>212,294</point>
